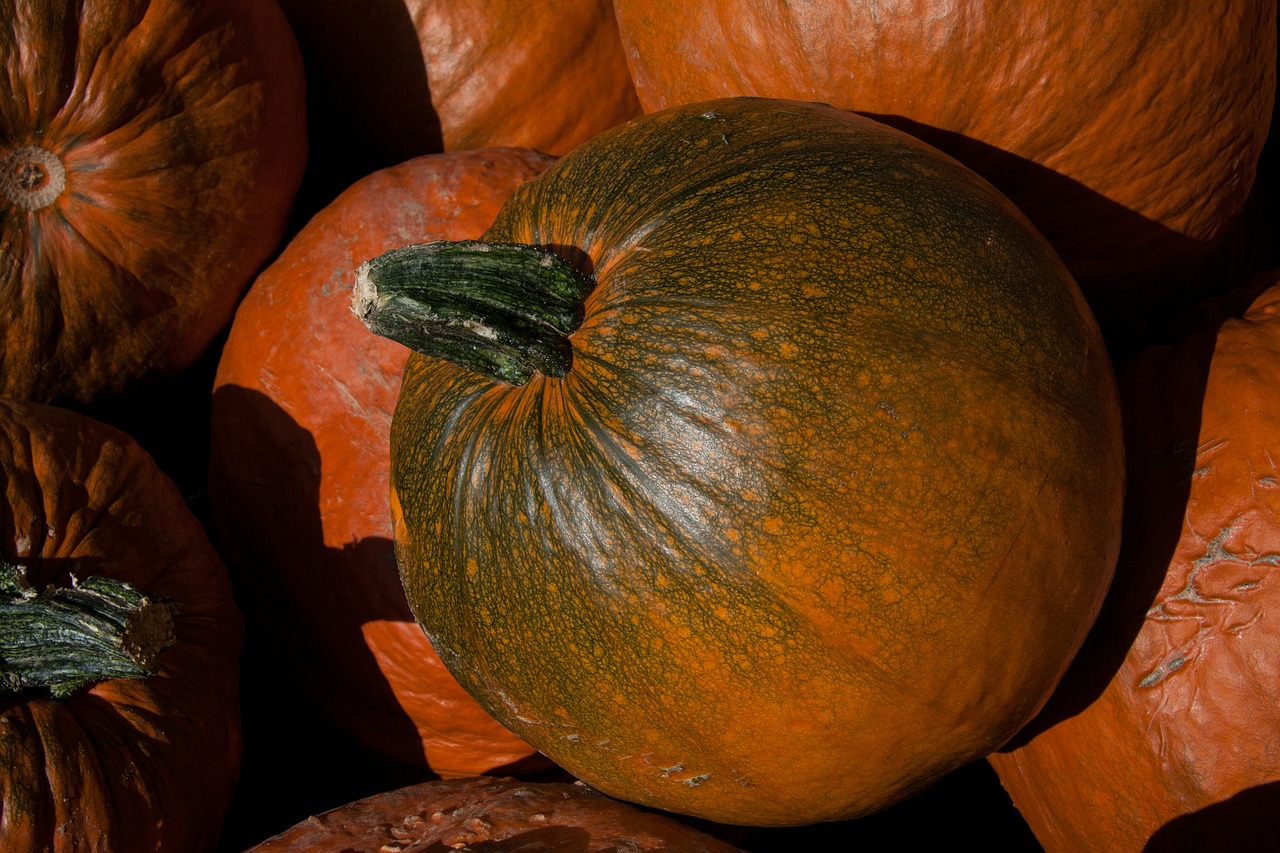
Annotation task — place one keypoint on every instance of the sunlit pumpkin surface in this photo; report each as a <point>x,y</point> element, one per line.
<point>824,505</point>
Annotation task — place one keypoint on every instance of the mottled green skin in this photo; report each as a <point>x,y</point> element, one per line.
<point>827,500</point>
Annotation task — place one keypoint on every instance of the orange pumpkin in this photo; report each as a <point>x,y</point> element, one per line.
<point>491,814</point>
<point>149,154</point>
<point>299,470</point>
<point>143,762</point>
<point>1129,132</point>
<point>1165,735</point>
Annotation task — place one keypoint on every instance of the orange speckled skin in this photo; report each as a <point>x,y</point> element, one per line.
<point>299,465</point>
<point>181,129</point>
<point>145,764</point>
<point>827,500</point>
<point>1167,731</point>
<point>1128,132</point>
<point>491,815</point>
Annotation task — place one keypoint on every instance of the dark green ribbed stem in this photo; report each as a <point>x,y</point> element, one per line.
<point>504,310</point>
<point>63,638</point>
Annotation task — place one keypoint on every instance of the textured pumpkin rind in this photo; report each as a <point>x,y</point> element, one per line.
<point>1181,747</point>
<point>299,468</point>
<point>481,813</point>
<point>827,501</point>
<point>127,764</point>
<point>181,130</point>
<point>1128,132</point>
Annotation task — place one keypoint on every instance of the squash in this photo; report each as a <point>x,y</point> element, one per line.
<point>149,154</point>
<point>422,76</point>
<point>784,474</point>
<point>1129,133</point>
<point>299,468</point>
<point>139,749</point>
<point>490,814</point>
<point>1164,734</point>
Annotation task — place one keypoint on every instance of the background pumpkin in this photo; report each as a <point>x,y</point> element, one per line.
<point>491,814</point>
<point>299,470</point>
<point>1164,735</point>
<point>826,499</point>
<point>1129,133</point>
<point>149,154</point>
<point>125,764</point>
<point>422,76</point>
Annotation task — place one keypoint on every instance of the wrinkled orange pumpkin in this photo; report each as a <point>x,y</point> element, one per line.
<point>760,463</point>
<point>1166,733</point>
<point>421,76</point>
<point>1128,132</point>
<point>149,154</point>
<point>146,761</point>
<point>299,469</point>
<point>489,814</point>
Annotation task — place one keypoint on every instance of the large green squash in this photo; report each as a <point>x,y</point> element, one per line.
<point>808,501</point>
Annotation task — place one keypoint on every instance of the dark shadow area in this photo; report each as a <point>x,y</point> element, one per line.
<point>368,97</point>
<point>1106,245</point>
<point>1249,822</point>
<point>297,759</point>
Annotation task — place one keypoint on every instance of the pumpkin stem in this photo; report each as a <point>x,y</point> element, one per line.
<point>64,638</point>
<point>504,310</point>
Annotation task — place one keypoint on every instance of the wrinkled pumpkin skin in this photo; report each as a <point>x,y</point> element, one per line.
<point>1128,132</point>
<point>299,469</point>
<point>827,500</point>
<point>491,814</point>
<point>467,74</point>
<point>1167,731</point>
<point>126,764</point>
<point>149,154</point>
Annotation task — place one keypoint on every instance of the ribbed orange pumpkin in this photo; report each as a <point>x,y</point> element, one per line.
<point>149,154</point>
<point>126,763</point>
<point>785,472</point>
<point>299,467</point>
<point>1166,733</point>
<point>1128,132</point>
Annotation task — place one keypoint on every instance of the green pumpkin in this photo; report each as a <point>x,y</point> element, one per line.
<point>762,464</point>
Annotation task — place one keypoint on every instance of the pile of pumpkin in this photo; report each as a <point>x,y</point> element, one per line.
<point>763,413</point>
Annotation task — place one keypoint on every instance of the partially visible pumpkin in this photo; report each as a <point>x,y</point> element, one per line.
<point>1129,132</point>
<point>421,76</point>
<point>299,467</point>
<point>138,763</point>
<point>808,501</point>
<point>1166,733</point>
<point>149,154</point>
<point>494,815</point>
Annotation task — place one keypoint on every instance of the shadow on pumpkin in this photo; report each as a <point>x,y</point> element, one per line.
<point>1162,394</point>
<point>306,605</point>
<point>368,97</point>
<point>1246,822</point>
<point>1105,244</point>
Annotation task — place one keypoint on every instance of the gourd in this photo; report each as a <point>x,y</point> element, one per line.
<point>299,468</point>
<point>1163,736</point>
<point>149,154</point>
<point>491,814</point>
<point>759,463</point>
<point>120,646</point>
<point>1129,133</point>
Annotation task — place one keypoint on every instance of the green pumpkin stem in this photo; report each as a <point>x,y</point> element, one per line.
<point>504,310</point>
<point>61,639</point>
